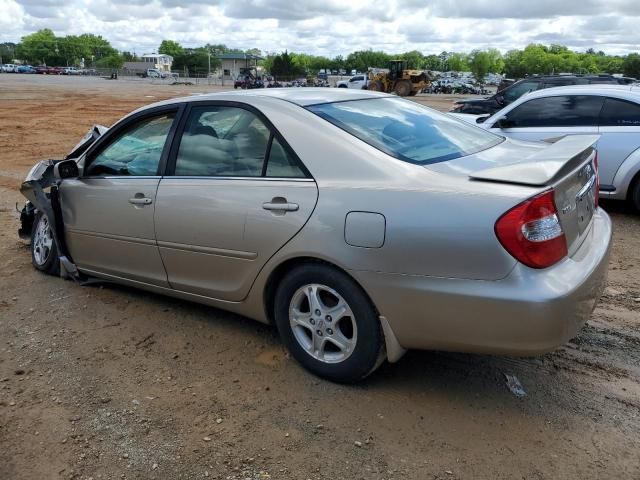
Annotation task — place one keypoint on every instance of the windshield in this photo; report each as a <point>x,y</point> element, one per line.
<point>407,130</point>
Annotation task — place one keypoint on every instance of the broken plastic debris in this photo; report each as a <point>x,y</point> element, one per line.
<point>515,386</point>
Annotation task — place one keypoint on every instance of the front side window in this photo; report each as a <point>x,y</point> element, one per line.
<point>406,130</point>
<point>620,113</point>
<point>135,152</point>
<point>560,111</point>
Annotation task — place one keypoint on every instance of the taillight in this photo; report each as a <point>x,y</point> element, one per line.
<point>532,233</point>
<point>597,169</point>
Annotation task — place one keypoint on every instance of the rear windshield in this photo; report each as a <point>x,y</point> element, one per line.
<point>407,130</point>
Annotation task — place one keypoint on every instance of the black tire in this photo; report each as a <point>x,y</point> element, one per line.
<point>367,353</point>
<point>376,86</point>
<point>342,86</point>
<point>44,258</point>
<point>634,194</point>
<point>403,88</point>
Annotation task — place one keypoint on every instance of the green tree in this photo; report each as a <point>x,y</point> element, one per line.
<point>112,61</point>
<point>458,62</point>
<point>631,65</point>
<point>7,52</point>
<point>38,47</point>
<point>170,47</point>
<point>364,59</point>
<point>415,59</point>
<point>284,68</point>
<point>480,63</point>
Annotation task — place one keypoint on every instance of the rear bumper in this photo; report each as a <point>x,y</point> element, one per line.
<point>528,312</point>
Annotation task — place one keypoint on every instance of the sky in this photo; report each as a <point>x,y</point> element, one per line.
<point>335,27</point>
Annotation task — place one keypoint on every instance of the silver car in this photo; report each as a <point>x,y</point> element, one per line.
<point>610,111</point>
<point>360,224</point>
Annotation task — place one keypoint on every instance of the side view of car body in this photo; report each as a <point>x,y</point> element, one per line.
<point>612,112</point>
<point>359,223</point>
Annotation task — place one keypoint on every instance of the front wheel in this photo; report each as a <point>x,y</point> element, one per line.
<point>328,323</point>
<point>44,251</point>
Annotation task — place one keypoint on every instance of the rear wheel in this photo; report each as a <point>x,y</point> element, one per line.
<point>342,86</point>
<point>403,88</point>
<point>44,251</point>
<point>328,323</point>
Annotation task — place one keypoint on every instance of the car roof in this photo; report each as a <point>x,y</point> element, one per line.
<point>302,96</point>
<point>626,91</point>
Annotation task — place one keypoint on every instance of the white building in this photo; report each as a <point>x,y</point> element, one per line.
<point>159,60</point>
<point>233,65</point>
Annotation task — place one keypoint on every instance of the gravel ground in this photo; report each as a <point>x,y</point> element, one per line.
<point>110,382</point>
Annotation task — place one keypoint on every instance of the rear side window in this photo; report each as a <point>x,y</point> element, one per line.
<point>619,113</point>
<point>224,141</point>
<point>560,111</point>
<point>515,91</point>
<point>406,130</point>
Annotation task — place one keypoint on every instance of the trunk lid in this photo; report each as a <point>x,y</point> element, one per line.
<point>568,165</point>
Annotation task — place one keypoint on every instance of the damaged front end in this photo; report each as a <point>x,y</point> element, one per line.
<point>41,188</point>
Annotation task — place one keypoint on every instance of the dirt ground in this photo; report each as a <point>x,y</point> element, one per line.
<point>109,382</point>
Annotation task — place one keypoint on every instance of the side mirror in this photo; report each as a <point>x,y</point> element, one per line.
<point>499,99</point>
<point>66,169</point>
<point>482,118</point>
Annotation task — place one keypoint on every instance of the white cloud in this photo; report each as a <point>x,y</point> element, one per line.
<point>333,27</point>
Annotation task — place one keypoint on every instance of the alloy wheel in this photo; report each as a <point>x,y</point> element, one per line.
<point>323,323</point>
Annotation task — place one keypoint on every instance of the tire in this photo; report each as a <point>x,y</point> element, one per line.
<point>634,194</point>
<point>342,86</point>
<point>403,88</point>
<point>44,251</point>
<point>376,86</point>
<point>346,318</point>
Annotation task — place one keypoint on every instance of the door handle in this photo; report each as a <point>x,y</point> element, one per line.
<point>281,207</point>
<point>140,201</point>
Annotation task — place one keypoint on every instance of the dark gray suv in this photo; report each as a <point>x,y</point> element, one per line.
<point>478,106</point>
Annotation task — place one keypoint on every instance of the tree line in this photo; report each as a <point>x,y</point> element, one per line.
<point>44,47</point>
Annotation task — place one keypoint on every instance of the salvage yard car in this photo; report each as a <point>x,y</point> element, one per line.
<point>612,112</point>
<point>359,223</point>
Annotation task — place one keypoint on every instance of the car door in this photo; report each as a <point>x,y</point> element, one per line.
<point>620,136</point>
<point>548,117</point>
<point>238,193</point>
<point>109,211</point>
<point>356,82</point>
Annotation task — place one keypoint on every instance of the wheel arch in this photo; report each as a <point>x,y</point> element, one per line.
<point>393,350</point>
<point>279,272</point>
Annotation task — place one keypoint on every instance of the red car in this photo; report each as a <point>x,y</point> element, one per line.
<point>44,70</point>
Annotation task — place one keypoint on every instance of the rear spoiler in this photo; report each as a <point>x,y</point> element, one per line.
<point>544,166</point>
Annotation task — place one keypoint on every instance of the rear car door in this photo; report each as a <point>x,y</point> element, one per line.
<point>548,117</point>
<point>238,193</point>
<point>620,136</point>
<point>108,211</point>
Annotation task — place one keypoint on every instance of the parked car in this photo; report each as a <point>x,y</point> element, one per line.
<point>357,81</point>
<point>9,68</point>
<point>70,71</point>
<point>357,234</point>
<point>25,69</point>
<point>514,91</point>
<point>612,112</point>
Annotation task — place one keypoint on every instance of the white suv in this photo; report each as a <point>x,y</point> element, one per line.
<point>361,82</point>
<point>611,111</point>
